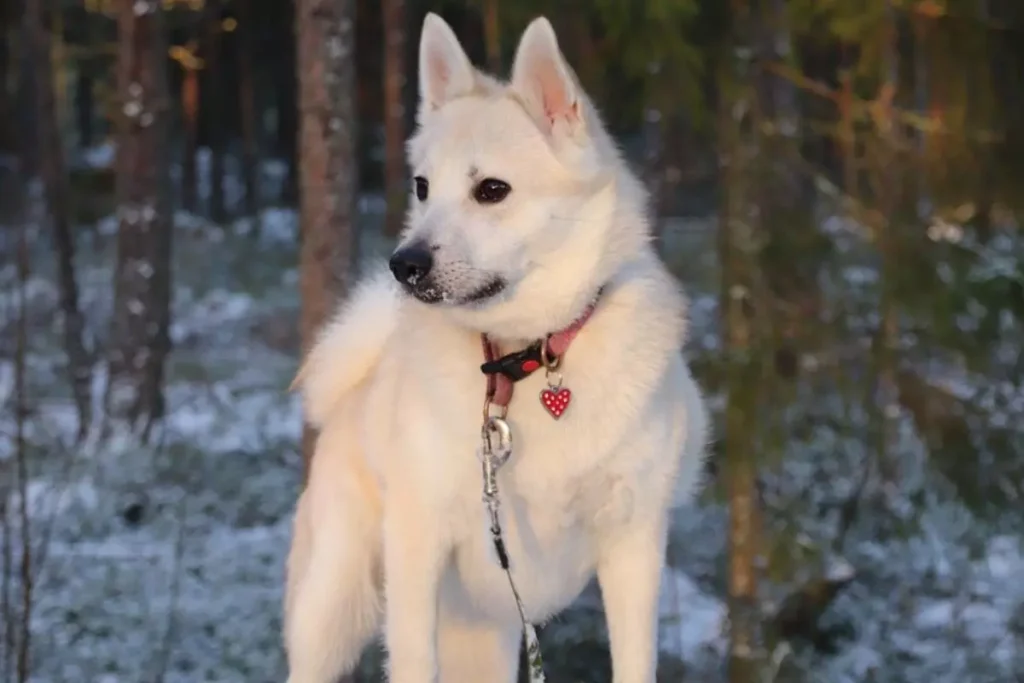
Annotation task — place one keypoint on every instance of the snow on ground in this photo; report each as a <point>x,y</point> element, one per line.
<point>170,557</point>
<point>692,622</point>
<point>99,156</point>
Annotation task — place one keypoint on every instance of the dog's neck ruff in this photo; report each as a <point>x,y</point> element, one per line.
<point>504,371</point>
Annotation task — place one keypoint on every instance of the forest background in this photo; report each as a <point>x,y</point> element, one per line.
<point>188,186</point>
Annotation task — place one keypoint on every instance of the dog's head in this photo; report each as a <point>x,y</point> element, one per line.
<point>514,188</point>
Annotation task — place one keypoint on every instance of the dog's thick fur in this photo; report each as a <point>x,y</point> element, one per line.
<point>391,531</point>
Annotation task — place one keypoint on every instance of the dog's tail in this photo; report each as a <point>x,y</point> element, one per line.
<point>333,595</point>
<point>333,592</point>
<point>348,347</point>
<point>333,604</point>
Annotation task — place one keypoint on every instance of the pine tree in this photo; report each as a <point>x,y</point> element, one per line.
<point>328,174</point>
<point>739,230</point>
<point>54,174</point>
<point>140,340</point>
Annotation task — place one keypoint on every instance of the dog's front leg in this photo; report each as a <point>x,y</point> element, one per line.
<point>414,550</point>
<point>629,572</point>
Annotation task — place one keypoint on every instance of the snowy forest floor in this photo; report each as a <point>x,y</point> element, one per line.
<point>166,562</point>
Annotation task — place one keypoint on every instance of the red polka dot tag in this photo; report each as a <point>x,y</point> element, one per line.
<point>555,400</point>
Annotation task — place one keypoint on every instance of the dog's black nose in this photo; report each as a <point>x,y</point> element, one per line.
<point>411,264</point>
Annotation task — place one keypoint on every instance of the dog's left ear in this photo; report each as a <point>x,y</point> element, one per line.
<point>543,79</point>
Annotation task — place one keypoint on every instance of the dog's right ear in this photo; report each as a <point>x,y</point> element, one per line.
<point>445,70</point>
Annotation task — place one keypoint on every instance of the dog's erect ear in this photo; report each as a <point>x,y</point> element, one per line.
<point>544,81</point>
<point>445,70</point>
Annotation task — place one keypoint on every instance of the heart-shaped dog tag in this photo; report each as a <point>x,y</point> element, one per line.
<point>555,400</point>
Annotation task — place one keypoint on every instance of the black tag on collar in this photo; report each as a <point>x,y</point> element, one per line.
<point>518,365</point>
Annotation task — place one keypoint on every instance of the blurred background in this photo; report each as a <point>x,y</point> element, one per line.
<point>187,187</point>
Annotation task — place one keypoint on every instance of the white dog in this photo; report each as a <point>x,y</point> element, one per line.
<point>528,233</point>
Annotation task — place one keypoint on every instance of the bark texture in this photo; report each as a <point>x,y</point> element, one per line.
<point>54,172</point>
<point>739,230</point>
<point>327,164</point>
<point>140,341</point>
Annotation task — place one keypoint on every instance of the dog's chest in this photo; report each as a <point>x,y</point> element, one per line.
<point>554,501</point>
<point>563,483</point>
<point>550,547</point>
<point>563,473</point>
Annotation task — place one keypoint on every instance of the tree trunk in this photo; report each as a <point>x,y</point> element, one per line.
<point>287,123</point>
<point>26,567</point>
<point>247,103</point>
<point>84,105</point>
<point>55,187</point>
<point>654,166</point>
<point>492,35</point>
<point>792,242</point>
<point>328,170</point>
<point>6,110</point>
<point>59,77</point>
<point>190,124</point>
<point>140,338</point>
<point>214,114</point>
<point>891,209</point>
<point>25,127</point>
<point>737,247</point>
<point>395,185</point>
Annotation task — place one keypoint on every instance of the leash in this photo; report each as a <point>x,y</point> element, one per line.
<point>494,456</point>
<point>496,441</point>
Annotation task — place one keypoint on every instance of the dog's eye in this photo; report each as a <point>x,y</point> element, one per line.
<point>422,188</point>
<point>491,191</point>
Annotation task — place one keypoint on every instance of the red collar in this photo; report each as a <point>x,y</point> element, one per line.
<point>504,371</point>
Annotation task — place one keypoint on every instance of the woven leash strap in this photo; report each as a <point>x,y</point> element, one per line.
<point>534,660</point>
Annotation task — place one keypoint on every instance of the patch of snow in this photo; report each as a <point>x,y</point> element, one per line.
<point>839,570</point>
<point>692,622</point>
<point>279,226</point>
<point>175,552</point>
<point>100,156</point>
<point>936,614</point>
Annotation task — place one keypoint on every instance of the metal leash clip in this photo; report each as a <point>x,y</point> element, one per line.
<point>496,448</point>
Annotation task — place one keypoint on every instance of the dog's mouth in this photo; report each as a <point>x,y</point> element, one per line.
<point>490,290</point>
<point>429,292</point>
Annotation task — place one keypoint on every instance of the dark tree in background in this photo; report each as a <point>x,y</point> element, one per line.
<point>247,108</point>
<point>140,341</point>
<point>739,229</point>
<point>286,99</point>
<point>395,185</point>
<point>214,105</point>
<point>856,329</point>
<point>190,124</point>
<point>492,35</point>
<point>328,173</point>
<point>6,110</point>
<point>53,170</point>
